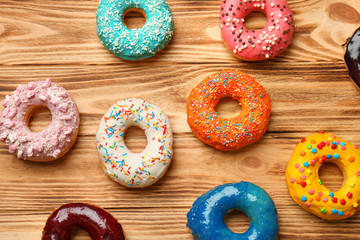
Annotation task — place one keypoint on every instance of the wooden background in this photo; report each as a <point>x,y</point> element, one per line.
<point>308,85</point>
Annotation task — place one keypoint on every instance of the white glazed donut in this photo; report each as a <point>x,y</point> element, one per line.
<point>130,169</point>
<point>55,140</point>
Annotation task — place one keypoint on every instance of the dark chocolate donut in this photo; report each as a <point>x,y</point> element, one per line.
<point>100,224</point>
<point>352,57</point>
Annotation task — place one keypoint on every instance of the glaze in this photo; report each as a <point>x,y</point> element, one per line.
<point>52,142</point>
<point>272,40</point>
<point>352,57</point>
<point>135,169</point>
<point>206,217</point>
<point>134,44</point>
<point>228,133</point>
<point>96,221</point>
<point>305,187</point>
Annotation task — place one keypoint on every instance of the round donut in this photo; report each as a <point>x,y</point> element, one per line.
<point>305,187</point>
<point>352,57</point>
<point>52,142</point>
<point>228,133</point>
<point>134,44</point>
<point>206,217</point>
<point>96,221</point>
<point>253,45</point>
<point>135,170</point>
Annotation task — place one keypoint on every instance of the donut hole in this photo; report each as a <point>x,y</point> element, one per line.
<point>331,176</point>
<point>228,107</point>
<point>38,118</point>
<point>78,233</point>
<point>255,21</point>
<point>237,221</point>
<point>135,139</point>
<point>134,18</point>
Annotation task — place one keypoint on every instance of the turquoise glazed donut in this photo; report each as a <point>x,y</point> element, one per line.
<point>134,44</point>
<point>206,217</point>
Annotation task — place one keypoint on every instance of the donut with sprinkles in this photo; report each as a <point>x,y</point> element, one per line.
<point>228,133</point>
<point>135,170</point>
<point>253,45</point>
<point>55,140</point>
<point>305,187</point>
<point>134,44</point>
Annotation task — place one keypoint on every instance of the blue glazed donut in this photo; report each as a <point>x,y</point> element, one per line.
<point>134,44</point>
<point>206,217</point>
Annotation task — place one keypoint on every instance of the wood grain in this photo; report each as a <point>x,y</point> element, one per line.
<point>308,85</point>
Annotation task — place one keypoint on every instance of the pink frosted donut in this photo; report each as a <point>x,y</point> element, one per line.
<point>252,45</point>
<point>55,140</point>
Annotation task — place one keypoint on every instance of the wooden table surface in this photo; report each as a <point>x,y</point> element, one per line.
<point>308,85</point>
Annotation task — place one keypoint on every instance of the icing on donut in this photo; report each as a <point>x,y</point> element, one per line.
<point>251,45</point>
<point>305,187</point>
<point>52,142</point>
<point>228,133</point>
<point>134,44</point>
<point>352,57</point>
<point>96,221</point>
<point>206,217</point>
<point>135,169</point>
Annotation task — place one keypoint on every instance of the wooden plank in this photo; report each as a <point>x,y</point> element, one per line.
<point>64,32</point>
<point>320,97</point>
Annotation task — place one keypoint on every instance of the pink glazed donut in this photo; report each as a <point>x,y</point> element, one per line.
<point>55,140</point>
<point>254,45</point>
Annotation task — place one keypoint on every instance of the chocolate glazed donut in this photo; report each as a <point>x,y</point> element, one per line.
<point>100,224</point>
<point>352,57</point>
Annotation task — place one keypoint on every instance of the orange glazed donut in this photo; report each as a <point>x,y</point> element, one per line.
<point>305,187</point>
<point>228,134</point>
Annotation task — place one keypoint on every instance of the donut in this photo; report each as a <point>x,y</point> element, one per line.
<point>206,217</point>
<point>96,221</point>
<point>134,44</point>
<point>352,57</point>
<point>253,45</point>
<point>305,187</point>
<point>52,142</point>
<point>135,170</point>
<point>228,133</point>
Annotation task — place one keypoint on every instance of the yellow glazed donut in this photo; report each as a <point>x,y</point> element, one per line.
<point>305,187</point>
